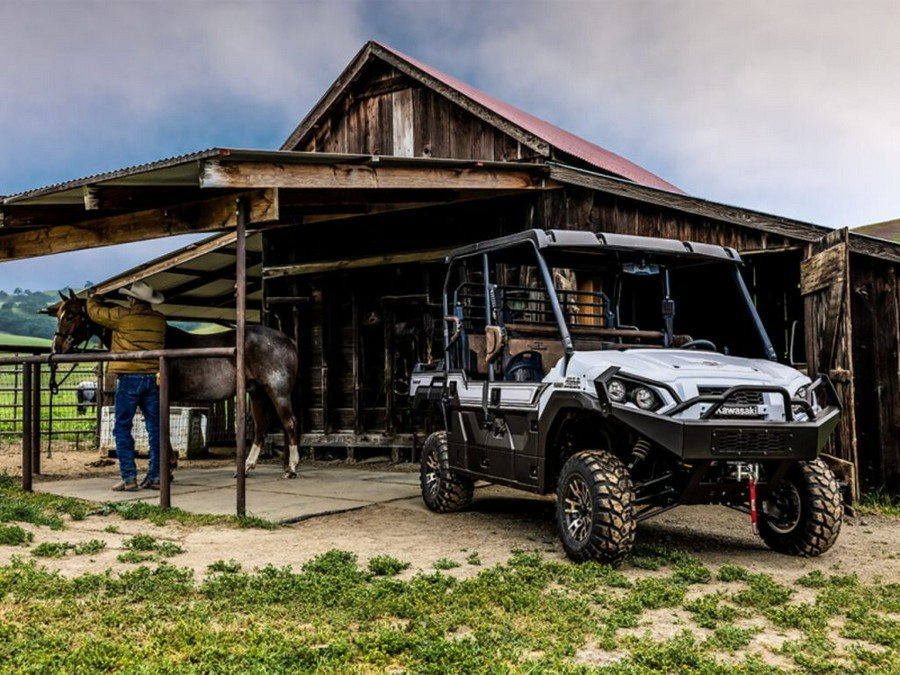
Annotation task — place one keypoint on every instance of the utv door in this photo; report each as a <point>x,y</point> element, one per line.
<point>492,406</point>
<point>493,428</point>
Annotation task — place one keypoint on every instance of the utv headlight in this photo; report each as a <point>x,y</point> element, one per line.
<point>645,399</point>
<point>622,390</point>
<point>616,390</point>
<point>802,393</point>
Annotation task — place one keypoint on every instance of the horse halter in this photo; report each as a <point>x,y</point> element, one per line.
<point>68,340</point>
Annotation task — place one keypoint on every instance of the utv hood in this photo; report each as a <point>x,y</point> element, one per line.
<point>684,370</point>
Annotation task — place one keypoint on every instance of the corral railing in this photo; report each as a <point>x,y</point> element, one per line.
<point>77,402</point>
<point>31,367</point>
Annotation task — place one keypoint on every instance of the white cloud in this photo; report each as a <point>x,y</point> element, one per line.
<point>789,108</point>
<point>113,81</point>
<point>785,107</point>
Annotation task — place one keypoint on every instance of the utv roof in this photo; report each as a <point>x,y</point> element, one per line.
<point>580,241</point>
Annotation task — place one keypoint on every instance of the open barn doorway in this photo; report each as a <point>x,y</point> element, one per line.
<point>773,279</point>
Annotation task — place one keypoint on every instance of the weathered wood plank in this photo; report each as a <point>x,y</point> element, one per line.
<point>402,123</point>
<point>877,358</point>
<point>674,200</point>
<point>422,112</point>
<point>439,127</point>
<point>240,175</point>
<point>823,270</point>
<point>371,261</point>
<point>209,215</point>
<point>385,125</point>
<point>372,133</point>
<point>825,278</point>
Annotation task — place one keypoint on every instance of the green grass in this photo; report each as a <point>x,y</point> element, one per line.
<point>386,566</point>
<point>14,535</point>
<point>527,615</point>
<point>334,615</point>
<point>879,501</point>
<point>12,340</point>
<point>51,510</point>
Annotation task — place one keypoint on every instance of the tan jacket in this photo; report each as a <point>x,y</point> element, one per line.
<point>136,328</point>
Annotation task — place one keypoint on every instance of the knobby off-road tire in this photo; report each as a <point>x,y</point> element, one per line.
<point>802,515</point>
<point>442,490</point>
<point>594,508</point>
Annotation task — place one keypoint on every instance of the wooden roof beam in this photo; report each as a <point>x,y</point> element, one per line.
<point>318,267</point>
<point>203,216</point>
<point>131,198</point>
<point>223,174</point>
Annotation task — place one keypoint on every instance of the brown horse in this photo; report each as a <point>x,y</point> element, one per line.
<point>270,359</point>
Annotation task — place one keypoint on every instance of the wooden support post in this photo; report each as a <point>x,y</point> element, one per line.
<point>357,367</point>
<point>26,427</point>
<point>36,418</point>
<point>241,387</point>
<point>165,445</point>
<point>387,320</point>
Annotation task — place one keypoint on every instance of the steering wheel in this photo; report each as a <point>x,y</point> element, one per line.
<point>695,344</point>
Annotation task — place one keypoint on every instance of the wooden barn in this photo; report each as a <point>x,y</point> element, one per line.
<point>397,164</point>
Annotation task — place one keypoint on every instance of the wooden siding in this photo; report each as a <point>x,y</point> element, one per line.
<point>582,208</point>
<point>391,114</point>
<point>875,310</point>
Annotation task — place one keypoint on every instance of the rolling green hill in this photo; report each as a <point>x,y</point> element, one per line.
<point>19,318</point>
<point>19,313</point>
<point>22,340</point>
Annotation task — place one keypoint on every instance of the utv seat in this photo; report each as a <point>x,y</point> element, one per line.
<point>525,367</point>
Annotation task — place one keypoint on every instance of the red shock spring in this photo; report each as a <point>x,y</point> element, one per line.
<point>752,484</point>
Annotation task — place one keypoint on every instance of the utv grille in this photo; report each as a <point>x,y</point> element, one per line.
<point>737,398</point>
<point>739,442</point>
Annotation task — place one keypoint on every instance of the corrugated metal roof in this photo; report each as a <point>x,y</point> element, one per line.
<point>172,164</point>
<point>184,170</point>
<point>560,139</point>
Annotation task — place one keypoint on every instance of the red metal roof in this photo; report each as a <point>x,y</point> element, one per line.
<point>558,138</point>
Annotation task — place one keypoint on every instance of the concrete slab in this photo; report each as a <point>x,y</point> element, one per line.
<point>315,491</point>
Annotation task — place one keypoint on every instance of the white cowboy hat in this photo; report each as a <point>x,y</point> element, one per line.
<point>143,291</point>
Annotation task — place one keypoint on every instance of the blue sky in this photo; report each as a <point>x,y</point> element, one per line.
<point>791,108</point>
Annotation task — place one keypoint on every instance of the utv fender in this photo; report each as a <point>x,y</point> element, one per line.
<point>560,405</point>
<point>564,401</point>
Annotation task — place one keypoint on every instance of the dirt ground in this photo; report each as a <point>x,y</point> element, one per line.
<point>499,522</point>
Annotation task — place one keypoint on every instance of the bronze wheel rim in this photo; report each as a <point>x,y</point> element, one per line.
<point>578,509</point>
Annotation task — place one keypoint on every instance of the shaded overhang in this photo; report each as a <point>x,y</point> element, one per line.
<point>198,281</point>
<point>198,192</point>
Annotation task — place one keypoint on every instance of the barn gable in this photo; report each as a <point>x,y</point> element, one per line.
<point>386,103</point>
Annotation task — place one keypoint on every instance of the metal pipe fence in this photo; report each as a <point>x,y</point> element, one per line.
<point>32,405</point>
<point>72,408</point>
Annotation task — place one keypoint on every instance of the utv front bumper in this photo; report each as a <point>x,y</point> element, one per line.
<point>712,437</point>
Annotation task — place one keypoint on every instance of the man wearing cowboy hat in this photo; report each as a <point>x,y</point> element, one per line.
<point>137,327</point>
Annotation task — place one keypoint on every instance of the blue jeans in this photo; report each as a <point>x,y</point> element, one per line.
<point>133,391</point>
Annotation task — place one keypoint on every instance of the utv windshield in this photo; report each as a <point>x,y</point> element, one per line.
<point>594,299</point>
<point>703,303</point>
